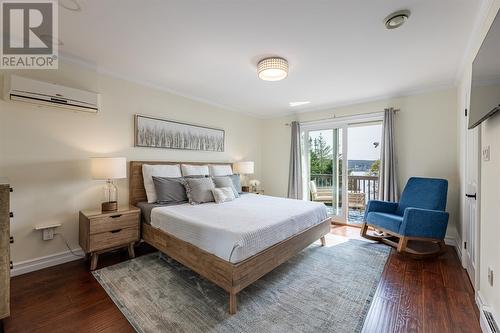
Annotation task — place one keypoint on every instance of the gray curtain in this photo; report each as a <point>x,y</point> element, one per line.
<point>295,174</point>
<point>388,185</point>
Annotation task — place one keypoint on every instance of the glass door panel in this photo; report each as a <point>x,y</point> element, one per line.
<point>363,168</point>
<point>325,168</point>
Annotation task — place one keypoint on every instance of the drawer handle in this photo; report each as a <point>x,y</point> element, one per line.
<point>11,214</point>
<point>11,240</point>
<point>115,231</point>
<point>11,265</point>
<point>115,216</point>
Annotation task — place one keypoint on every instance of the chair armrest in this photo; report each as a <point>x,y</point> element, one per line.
<point>381,207</point>
<point>426,223</point>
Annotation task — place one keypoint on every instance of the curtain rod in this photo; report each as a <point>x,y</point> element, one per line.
<point>335,117</point>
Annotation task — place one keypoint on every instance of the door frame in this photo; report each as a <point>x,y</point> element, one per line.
<point>328,124</point>
<point>466,165</point>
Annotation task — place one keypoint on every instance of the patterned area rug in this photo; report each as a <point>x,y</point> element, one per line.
<point>321,289</point>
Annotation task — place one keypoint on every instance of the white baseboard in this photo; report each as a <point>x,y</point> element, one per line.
<point>481,304</point>
<point>456,242</point>
<point>23,267</point>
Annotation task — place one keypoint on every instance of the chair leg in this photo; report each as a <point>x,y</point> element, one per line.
<point>363,230</point>
<point>403,241</point>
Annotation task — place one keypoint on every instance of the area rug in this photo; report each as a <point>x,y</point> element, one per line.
<point>321,289</point>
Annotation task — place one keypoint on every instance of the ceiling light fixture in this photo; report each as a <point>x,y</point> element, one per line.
<point>293,104</point>
<point>397,19</point>
<point>272,69</point>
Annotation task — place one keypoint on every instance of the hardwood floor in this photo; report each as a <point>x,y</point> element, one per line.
<point>413,296</point>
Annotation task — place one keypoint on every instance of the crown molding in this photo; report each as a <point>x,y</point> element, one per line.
<point>436,87</point>
<point>473,40</point>
<point>69,59</point>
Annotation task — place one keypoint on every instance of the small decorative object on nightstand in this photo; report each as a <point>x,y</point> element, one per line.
<point>244,168</point>
<point>254,184</point>
<point>103,232</point>
<point>109,168</point>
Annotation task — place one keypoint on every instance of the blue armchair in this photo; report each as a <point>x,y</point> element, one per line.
<point>419,215</point>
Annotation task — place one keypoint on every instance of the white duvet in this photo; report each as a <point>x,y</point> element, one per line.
<point>238,229</point>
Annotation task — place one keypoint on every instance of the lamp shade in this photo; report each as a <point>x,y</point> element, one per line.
<point>244,168</point>
<point>109,167</point>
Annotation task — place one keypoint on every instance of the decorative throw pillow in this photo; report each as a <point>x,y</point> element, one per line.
<point>223,194</point>
<point>220,170</point>
<point>237,182</point>
<point>170,190</point>
<point>158,170</point>
<point>199,190</point>
<point>194,170</point>
<point>225,181</point>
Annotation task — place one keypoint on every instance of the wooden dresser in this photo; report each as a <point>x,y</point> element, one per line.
<point>5,263</point>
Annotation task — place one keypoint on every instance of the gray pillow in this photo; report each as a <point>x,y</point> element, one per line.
<point>170,190</point>
<point>199,190</point>
<point>225,181</point>
<point>237,182</point>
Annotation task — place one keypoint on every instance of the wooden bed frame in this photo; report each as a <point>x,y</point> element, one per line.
<point>231,277</point>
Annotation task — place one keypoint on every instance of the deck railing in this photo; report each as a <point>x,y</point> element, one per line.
<point>357,184</point>
<point>364,184</point>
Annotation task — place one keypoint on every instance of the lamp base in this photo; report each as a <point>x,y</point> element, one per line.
<point>110,206</point>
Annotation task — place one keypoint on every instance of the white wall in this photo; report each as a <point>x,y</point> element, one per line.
<point>44,151</point>
<point>425,135</point>
<point>490,180</point>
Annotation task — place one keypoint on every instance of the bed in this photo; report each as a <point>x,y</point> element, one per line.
<point>234,244</point>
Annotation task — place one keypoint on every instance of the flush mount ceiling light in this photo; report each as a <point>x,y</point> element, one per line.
<point>272,69</point>
<point>293,104</point>
<point>397,19</point>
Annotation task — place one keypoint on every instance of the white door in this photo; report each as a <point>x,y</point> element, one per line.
<point>471,214</point>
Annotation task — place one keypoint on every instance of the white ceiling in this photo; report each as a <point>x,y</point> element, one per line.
<point>339,51</point>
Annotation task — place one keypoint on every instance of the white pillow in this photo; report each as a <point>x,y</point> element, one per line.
<point>194,170</point>
<point>157,170</point>
<point>223,194</point>
<point>220,170</point>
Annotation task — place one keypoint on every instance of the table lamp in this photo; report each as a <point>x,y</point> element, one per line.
<point>109,168</point>
<point>244,168</point>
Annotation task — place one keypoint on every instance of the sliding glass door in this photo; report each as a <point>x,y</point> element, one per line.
<point>341,163</point>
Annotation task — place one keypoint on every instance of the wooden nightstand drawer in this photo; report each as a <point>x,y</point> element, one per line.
<point>101,232</point>
<point>113,222</point>
<point>117,237</point>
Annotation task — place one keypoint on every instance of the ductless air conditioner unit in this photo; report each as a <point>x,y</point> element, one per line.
<point>18,88</point>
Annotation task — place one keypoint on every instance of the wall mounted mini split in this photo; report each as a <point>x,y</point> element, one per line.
<point>48,230</point>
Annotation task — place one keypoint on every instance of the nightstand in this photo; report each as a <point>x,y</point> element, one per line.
<point>254,192</point>
<point>103,232</point>
<point>257,191</point>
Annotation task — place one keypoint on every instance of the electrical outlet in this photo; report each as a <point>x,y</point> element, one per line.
<point>490,276</point>
<point>48,234</point>
<point>486,153</point>
<point>48,231</point>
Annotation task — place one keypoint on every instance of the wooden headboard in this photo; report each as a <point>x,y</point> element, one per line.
<point>137,193</point>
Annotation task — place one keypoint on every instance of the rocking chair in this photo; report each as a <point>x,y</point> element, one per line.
<point>420,215</point>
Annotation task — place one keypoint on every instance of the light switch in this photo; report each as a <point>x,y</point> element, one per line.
<point>486,153</point>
